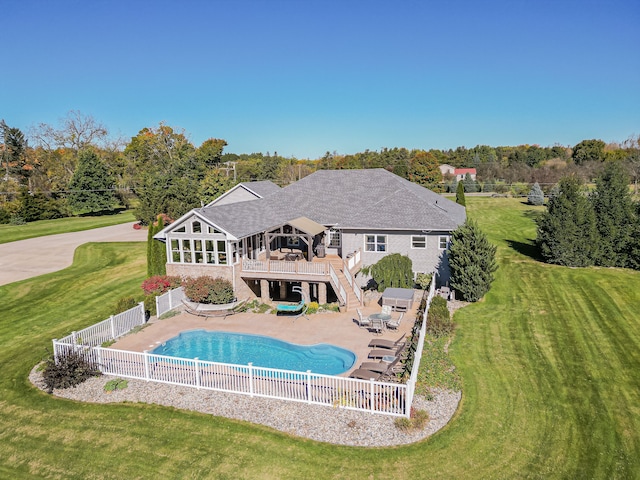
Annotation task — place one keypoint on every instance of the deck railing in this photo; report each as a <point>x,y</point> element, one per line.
<point>280,266</point>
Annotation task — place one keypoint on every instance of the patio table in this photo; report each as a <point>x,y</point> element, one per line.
<point>379,321</point>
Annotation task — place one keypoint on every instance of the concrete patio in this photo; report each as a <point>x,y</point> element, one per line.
<point>335,328</point>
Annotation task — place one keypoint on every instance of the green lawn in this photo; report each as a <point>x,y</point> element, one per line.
<point>12,233</point>
<point>549,362</point>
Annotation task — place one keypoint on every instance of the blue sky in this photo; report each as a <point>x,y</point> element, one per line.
<point>306,77</point>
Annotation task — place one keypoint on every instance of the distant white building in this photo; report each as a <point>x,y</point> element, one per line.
<point>459,173</point>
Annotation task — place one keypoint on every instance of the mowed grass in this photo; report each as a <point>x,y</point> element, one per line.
<point>13,233</point>
<point>549,363</point>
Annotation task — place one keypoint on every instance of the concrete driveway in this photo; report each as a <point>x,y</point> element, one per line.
<point>37,256</point>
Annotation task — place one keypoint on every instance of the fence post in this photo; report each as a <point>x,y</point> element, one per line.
<point>55,351</point>
<point>251,379</point>
<point>142,313</point>
<point>197,364</point>
<point>308,386</point>
<point>98,351</point>
<point>158,306</point>
<point>113,329</point>
<point>409,398</point>
<point>146,365</point>
<point>371,394</point>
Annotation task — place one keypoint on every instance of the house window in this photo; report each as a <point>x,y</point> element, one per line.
<point>293,242</point>
<point>175,251</point>
<point>418,242</point>
<point>334,238</point>
<point>375,243</point>
<point>196,227</point>
<point>182,229</point>
<point>443,242</point>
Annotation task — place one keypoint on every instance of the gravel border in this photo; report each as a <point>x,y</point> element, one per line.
<point>316,422</point>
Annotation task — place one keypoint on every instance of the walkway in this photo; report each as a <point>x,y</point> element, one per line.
<point>36,256</point>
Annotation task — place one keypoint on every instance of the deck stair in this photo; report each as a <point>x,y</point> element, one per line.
<point>338,266</point>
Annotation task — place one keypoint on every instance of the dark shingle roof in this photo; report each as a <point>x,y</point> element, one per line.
<point>361,199</point>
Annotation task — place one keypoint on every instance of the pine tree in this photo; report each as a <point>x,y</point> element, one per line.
<point>159,251</point>
<point>460,199</point>
<point>567,233</point>
<point>615,216</point>
<point>536,195</point>
<point>469,184</point>
<point>472,261</point>
<point>91,185</point>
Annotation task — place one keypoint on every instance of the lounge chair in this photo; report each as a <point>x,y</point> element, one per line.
<point>394,324</point>
<point>385,352</point>
<point>361,320</point>
<point>388,374</point>
<point>380,367</point>
<point>364,374</point>
<point>390,344</point>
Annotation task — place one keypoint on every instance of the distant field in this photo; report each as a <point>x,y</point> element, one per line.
<point>12,233</point>
<point>549,363</point>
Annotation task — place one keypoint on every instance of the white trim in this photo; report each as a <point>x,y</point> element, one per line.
<point>162,234</point>
<point>376,243</point>
<point>448,239</point>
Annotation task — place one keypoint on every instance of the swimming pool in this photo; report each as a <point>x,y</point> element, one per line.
<point>242,348</point>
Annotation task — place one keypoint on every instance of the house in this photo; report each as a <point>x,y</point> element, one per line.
<point>315,233</point>
<point>458,173</point>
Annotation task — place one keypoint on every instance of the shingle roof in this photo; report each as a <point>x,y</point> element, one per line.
<point>262,188</point>
<point>360,199</point>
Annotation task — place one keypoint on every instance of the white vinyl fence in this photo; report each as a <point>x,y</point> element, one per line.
<point>169,300</point>
<point>354,394</point>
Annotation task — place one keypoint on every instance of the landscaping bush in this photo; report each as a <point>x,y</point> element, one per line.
<point>72,369</point>
<point>313,307</point>
<point>209,290</point>
<point>150,305</point>
<point>423,280</point>
<point>394,270</point>
<point>159,284</point>
<point>536,195</point>
<point>115,384</point>
<point>439,319</point>
<point>124,304</point>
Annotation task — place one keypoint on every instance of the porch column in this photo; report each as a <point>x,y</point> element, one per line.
<point>264,291</point>
<point>283,290</point>
<point>305,290</point>
<point>322,293</point>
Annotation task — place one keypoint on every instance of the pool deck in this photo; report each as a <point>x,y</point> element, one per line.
<point>335,328</point>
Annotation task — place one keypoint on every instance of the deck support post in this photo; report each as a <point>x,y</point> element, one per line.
<point>322,293</point>
<point>283,290</point>
<point>264,291</point>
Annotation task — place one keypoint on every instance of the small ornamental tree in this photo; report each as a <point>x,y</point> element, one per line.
<point>567,233</point>
<point>536,195</point>
<point>438,318</point>
<point>470,184</point>
<point>460,199</point>
<point>472,261</point>
<point>394,270</point>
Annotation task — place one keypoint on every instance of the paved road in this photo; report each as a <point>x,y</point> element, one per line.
<point>37,256</point>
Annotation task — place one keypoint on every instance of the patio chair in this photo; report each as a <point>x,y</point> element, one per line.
<point>385,352</point>
<point>364,374</point>
<point>386,309</point>
<point>362,321</point>
<point>377,325</point>
<point>390,344</point>
<point>394,324</point>
<point>381,367</point>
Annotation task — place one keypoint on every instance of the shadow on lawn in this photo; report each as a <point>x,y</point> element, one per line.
<point>529,249</point>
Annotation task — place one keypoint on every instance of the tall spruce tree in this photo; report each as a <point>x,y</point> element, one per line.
<point>91,185</point>
<point>460,198</point>
<point>567,232</point>
<point>615,216</point>
<point>472,261</point>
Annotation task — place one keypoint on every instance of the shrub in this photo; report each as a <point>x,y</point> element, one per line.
<point>313,307</point>
<point>124,304</point>
<point>423,280</point>
<point>416,421</point>
<point>536,196</point>
<point>72,369</point>
<point>150,305</point>
<point>209,290</point>
<point>116,384</point>
<point>159,284</point>
<point>439,319</point>
<point>394,270</point>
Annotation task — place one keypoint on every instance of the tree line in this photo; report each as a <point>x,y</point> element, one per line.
<point>76,168</point>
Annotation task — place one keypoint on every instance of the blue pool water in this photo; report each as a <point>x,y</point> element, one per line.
<point>242,348</point>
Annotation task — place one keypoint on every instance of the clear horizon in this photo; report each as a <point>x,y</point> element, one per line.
<point>305,78</point>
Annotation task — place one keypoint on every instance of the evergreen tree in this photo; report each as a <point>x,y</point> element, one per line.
<point>460,199</point>
<point>536,195</point>
<point>567,233</point>
<point>156,253</point>
<point>615,216</point>
<point>472,261</point>
<point>392,271</point>
<point>469,184</point>
<point>91,185</point>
